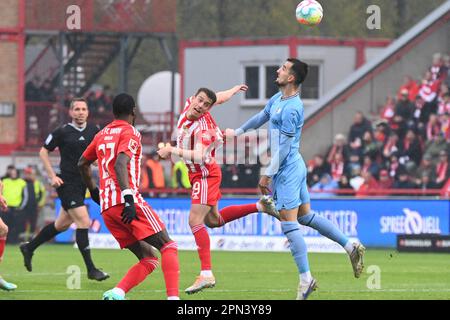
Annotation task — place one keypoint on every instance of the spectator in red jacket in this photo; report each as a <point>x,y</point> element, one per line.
<point>410,85</point>
<point>369,184</point>
<point>385,181</point>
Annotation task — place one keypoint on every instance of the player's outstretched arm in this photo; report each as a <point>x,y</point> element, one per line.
<point>224,96</point>
<point>84,166</point>
<point>54,180</point>
<point>254,122</point>
<point>197,155</point>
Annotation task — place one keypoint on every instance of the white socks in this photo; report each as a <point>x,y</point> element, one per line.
<point>349,247</point>
<point>259,207</point>
<point>206,273</point>
<point>305,278</point>
<point>119,292</point>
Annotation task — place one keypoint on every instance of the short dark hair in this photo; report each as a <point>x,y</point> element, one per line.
<point>299,69</point>
<point>209,93</point>
<point>123,105</point>
<point>72,102</point>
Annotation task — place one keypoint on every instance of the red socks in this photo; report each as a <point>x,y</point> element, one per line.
<point>171,268</point>
<point>201,236</point>
<point>235,212</point>
<point>137,273</point>
<point>203,246</point>
<point>2,246</point>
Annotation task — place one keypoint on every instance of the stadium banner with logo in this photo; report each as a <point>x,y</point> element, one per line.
<point>374,222</point>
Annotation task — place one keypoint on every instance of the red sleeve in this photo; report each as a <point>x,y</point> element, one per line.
<point>129,143</point>
<point>91,151</point>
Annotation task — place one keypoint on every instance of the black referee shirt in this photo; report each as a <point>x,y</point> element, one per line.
<point>71,142</point>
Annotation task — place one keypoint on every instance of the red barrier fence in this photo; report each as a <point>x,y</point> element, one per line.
<point>155,16</point>
<point>342,192</point>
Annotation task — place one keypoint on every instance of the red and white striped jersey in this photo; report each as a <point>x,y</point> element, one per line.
<point>117,137</point>
<point>203,130</point>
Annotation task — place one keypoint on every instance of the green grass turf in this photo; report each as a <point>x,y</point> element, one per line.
<point>239,276</point>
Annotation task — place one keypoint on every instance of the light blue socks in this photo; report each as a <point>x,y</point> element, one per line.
<point>325,228</point>
<point>297,245</point>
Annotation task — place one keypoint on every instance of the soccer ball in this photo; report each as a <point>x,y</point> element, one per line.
<point>309,12</point>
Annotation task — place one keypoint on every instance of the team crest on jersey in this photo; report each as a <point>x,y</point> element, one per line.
<point>133,146</point>
<point>206,136</point>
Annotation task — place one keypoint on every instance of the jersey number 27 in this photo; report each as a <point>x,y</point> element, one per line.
<point>108,154</point>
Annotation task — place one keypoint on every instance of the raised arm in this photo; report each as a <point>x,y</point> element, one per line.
<point>224,96</point>
<point>254,122</point>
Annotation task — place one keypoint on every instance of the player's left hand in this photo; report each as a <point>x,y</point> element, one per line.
<point>241,87</point>
<point>165,151</point>
<point>264,185</point>
<point>3,204</point>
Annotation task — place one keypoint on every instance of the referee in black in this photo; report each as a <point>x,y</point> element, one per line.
<point>71,139</point>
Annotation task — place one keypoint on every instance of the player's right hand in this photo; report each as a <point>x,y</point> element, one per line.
<point>56,182</point>
<point>165,150</point>
<point>129,211</point>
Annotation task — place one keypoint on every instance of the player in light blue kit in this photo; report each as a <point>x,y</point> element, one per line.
<point>288,173</point>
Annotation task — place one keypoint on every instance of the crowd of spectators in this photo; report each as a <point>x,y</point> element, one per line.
<point>405,147</point>
<point>99,98</point>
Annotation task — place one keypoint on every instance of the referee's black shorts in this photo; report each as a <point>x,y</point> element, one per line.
<point>72,195</point>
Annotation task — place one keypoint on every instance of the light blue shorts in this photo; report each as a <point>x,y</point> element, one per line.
<point>289,186</point>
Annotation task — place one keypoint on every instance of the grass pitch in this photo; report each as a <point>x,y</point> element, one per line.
<point>239,276</point>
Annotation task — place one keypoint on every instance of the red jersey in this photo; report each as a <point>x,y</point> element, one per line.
<point>117,137</point>
<point>203,130</point>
